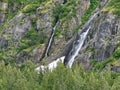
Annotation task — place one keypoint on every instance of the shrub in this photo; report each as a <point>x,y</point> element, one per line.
<point>117,54</point>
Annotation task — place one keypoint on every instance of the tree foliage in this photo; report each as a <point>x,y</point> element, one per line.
<point>62,78</point>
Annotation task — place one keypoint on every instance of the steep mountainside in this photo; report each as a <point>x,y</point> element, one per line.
<point>44,30</point>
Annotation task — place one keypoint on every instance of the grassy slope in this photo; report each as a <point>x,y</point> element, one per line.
<point>113,6</point>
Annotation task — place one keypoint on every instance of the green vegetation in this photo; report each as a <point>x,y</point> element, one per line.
<point>25,77</point>
<point>93,5</point>
<point>62,78</point>
<point>64,12</point>
<point>86,16</point>
<point>25,6</point>
<point>58,32</point>
<point>4,1</point>
<point>31,39</point>
<point>30,8</point>
<point>116,54</point>
<point>25,2</point>
<point>113,6</point>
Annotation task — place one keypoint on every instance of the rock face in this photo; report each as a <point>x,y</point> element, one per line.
<point>24,37</point>
<point>102,40</point>
<point>18,33</point>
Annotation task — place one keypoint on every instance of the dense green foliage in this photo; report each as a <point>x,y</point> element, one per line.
<point>64,11</point>
<point>62,78</point>
<point>32,38</point>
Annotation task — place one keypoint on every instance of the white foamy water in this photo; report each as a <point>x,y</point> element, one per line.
<point>78,47</point>
<point>51,66</point>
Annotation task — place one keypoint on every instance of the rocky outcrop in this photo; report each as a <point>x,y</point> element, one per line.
<point>102,40</point>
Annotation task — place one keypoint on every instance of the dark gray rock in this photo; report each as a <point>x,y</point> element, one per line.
<point>116,69</point>
<point>3,44</point>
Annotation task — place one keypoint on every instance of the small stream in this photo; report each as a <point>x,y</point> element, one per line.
<point>50,40</point>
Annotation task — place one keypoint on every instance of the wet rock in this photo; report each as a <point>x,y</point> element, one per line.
<point>3,44</point>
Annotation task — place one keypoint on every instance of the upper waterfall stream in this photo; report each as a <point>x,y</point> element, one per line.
<point>50,40</point>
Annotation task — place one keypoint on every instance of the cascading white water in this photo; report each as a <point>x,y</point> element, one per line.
<point>77,48</point>
<point>51,65</point>
<point>50,41</point>
<point>54,64</point>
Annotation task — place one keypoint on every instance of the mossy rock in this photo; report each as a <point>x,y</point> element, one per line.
<point>115,63</point>
<point>113,6</point>
<point>30,8</point>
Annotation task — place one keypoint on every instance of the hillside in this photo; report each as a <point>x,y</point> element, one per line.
<point>37,34</point>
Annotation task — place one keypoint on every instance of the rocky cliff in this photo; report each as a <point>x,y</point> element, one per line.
<point>26,28</point>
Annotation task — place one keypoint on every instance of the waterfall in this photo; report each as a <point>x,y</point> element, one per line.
<point>79,41</point>
<point>50,40</point>
<point>73,53</point>
<point>54,64</point>
<point>77,47</point>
